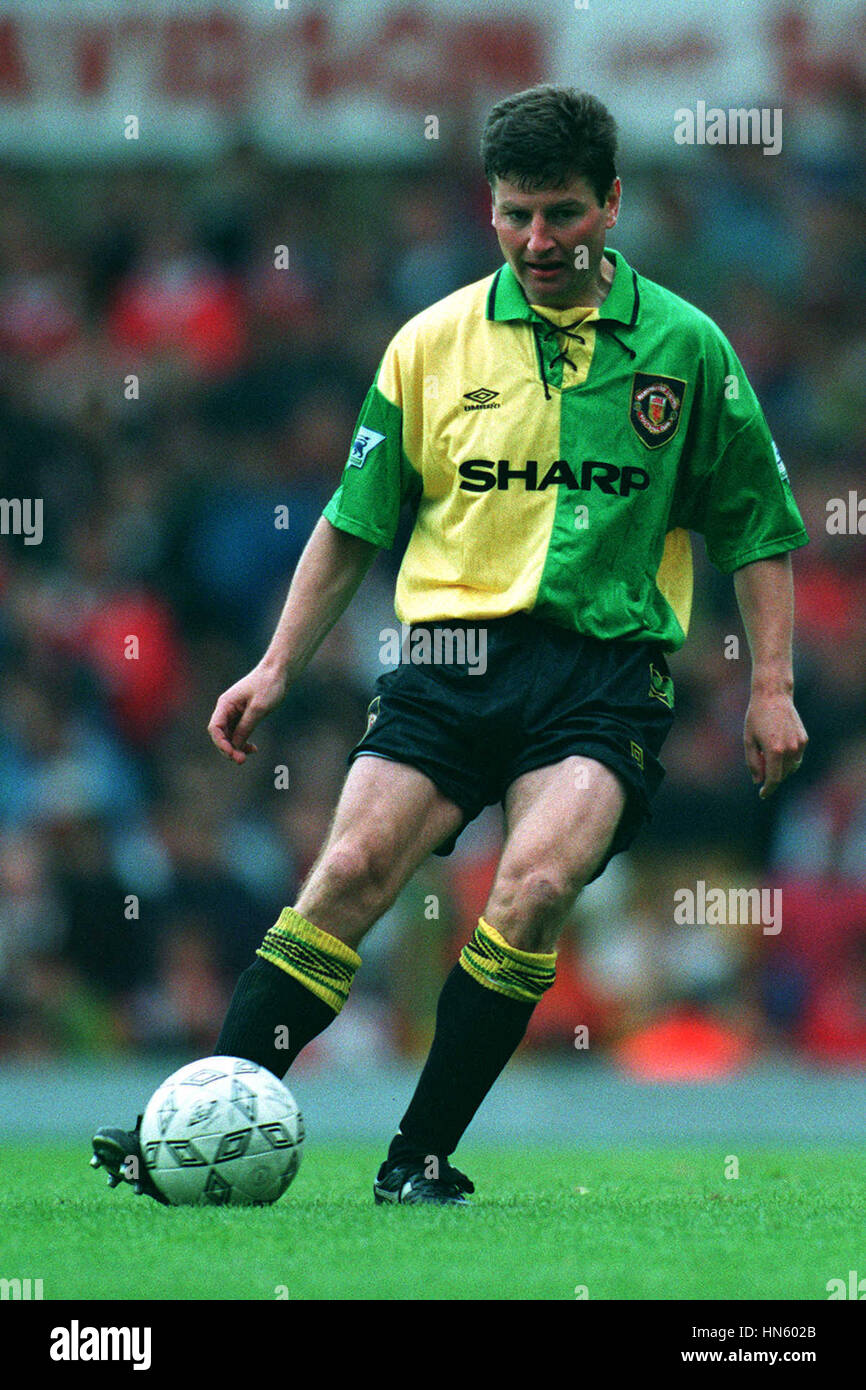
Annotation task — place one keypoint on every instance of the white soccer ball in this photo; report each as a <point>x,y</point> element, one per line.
<point>222,1132</point>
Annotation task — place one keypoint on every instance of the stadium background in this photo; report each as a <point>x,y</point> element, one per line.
<point>138,871</point>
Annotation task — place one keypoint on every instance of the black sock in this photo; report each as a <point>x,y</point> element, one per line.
<point>477,1030</point>
<point>270,1008</point>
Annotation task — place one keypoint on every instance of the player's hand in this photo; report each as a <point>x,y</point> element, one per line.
<point>774,740</point>
<point>239,709</point>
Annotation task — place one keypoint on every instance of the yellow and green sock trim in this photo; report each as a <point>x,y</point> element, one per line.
<point>490,960</point>
<point>318,960</point>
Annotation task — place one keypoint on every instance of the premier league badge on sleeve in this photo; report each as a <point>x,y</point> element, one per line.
<point>364,441</point>
<point>655,407</point>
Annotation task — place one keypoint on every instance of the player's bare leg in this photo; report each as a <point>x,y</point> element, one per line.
<point>389,818</point>
<point>560,821</point>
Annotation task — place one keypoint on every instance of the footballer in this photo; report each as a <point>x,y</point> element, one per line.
<point>558,429</point>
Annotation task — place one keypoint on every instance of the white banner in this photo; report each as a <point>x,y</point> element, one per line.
<point>331,80</point>
<point>647,61</point>
<point>346,79</point>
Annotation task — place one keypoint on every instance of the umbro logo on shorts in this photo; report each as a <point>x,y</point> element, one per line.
<point>482,399</point>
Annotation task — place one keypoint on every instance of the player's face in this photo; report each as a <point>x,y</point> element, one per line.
<point>553,239</point>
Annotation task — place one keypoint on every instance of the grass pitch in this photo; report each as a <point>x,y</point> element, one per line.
<point>636,1224</point>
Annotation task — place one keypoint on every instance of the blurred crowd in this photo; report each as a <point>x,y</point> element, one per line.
<point>182,354</point>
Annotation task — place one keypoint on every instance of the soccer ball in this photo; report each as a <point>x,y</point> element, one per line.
<point>222,1132</point>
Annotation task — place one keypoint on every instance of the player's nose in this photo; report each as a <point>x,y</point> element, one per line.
<point>539,237</point>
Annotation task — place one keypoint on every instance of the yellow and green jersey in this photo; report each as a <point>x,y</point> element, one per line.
<point>557,460</point>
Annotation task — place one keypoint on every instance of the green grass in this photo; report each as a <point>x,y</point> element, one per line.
<point>652,1224</point>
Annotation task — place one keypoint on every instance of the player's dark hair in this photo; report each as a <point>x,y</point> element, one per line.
<point>546,136</point>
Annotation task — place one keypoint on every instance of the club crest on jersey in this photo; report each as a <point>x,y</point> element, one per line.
<point>364,441</point>
<point>655,407</point>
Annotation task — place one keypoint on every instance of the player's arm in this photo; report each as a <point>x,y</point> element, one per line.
<point>327,575</point>
<point>774,736</point>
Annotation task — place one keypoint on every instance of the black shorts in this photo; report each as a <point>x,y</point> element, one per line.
<point>546,694</point>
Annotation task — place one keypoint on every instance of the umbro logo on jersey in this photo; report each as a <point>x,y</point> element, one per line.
<point>655,408</point>
<point>482,399</point>
<point>364,441</point>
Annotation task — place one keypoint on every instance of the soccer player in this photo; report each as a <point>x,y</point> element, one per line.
<point>558,428</point>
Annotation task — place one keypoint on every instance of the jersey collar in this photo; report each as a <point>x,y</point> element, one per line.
<point>506,299</point>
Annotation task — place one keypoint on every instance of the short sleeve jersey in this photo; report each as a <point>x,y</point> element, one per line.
<point>556,460</point>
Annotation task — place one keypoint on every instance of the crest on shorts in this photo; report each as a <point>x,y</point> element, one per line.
<point>661,687</point>
<point>655,407</point>
<point>372,713</point>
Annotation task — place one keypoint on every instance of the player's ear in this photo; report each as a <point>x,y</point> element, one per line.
<point>612,203</point>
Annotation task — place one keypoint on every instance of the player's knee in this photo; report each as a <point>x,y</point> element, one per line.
<point>547,890</point>
<point>531,903</point>
<point>361,872</point>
